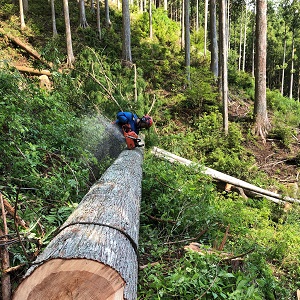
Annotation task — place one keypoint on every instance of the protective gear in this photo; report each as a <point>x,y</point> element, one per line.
<point>147,120</point>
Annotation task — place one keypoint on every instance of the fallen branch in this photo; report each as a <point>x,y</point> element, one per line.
<point>11,212</point>
<point>187,240</point>
<point>5,278</point>
<point>277,198</point>
<point>12,269</point>
<point>221,247</point>
<point>25,47</point>
<point>161,220</point>
<point>33,71</point>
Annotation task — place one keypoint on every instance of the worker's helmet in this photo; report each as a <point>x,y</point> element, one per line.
<point>147,120</point>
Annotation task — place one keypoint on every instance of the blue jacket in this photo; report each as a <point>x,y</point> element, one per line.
<point>128,118</point>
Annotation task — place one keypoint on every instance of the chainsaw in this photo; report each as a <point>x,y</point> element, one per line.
<point>131,138</point>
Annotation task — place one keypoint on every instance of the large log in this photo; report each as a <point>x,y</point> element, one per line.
<point>277,198</point>
<point>94,255</point>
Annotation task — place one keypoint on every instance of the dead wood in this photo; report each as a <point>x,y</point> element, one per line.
<point>12,213</point>
<point>25,47</point>
<point>32,71</point>
<point>221,247</point>
<point>187,240</point>
<point>277,198</point>
<point>5,278</point>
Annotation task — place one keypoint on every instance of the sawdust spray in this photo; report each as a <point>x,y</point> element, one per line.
<point>102,138</point>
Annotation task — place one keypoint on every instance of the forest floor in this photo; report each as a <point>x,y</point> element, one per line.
<point>272,156</point>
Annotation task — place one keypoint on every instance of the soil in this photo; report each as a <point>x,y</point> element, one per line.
<point>272,156</point>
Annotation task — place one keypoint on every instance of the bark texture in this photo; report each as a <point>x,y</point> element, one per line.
<point>126,43</point>
<point>214,63</point>
<point>262,124</point>
<point>102,231</point>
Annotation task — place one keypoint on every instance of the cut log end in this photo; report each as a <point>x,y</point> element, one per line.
<point>66,279</point>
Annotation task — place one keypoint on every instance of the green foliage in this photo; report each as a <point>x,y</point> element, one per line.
<point>201,94</point>
<point>196,276</point>
<point>207,143</point>
<point>178,203</point>
<point>159,56</point>
<point>42,156</point>
<point>283,129</point>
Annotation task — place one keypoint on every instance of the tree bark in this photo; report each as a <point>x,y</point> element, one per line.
<point>150,20</point>
<point>277,198</point>
<point>262,124</point>
<point>205,26</point>
<point>283,60</point>
<point>292,67</point>
<point>4,255</point>
<point>224,75</point>
<point>98,18</point>
<point>54,29</point>
<point>71,58</point>
<point>22,18</point>
<point>187,42</point>
<point>126,44</point>
<point>82,15</point>
<point>214,63</point>
<point>33,71</point>
<point>107,18</point>
<point>94,255</point>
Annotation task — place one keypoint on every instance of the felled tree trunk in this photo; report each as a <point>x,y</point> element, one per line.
<point>277,198</point>
<point>94,255</point>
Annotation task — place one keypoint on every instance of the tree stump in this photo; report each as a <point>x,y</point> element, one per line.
<point>94,255</point>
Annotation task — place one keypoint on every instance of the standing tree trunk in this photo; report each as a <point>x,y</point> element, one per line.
<point>182,24</point>
<point>224,79</point>
<point>94,255</point>
<point>126,44</point>
<point>245,39</point>
<point>292,67</point>
<point>241,41</point>
<point>98,18</point>
<point>262,124</point>
<point>54,30</point>
<point>197,15</point>
<point>22,19</point>
<point>187,39</point>
<point>107,18</point>
<point>253,50</point>
<point>166,5</point>
<point>214,63</point>
<point>25,6</point>
<point>205,26</point>
<point>150,20</point>
<point>283,62</point>
<point>4,255</point>
<point>83,21</point>
<point>71,58</point>
<point>93,6</point>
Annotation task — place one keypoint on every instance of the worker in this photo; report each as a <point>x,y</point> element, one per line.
<point>136,123</point>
